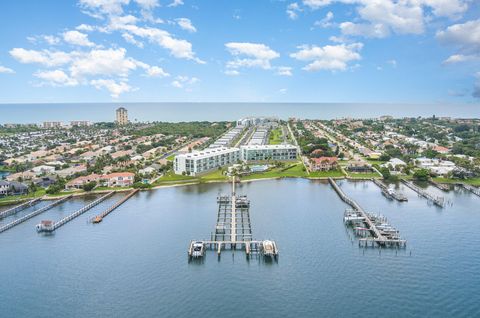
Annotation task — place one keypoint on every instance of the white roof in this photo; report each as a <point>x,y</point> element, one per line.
<point>207,153</point>
<point>261,147</point>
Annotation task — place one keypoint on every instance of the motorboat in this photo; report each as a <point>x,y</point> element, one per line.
<point>198,249</point>
<point>45,226</point>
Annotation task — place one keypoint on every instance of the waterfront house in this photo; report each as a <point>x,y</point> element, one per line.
<point>79,182</point>
<point>118,179</point>
<point>358,166</point>
<point>44,182</point>
<point>323,163</point>
<point>4,187</point>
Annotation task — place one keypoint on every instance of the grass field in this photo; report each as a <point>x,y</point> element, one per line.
<point>18,198</point>
<point>275,136</point>
<point>295,170</point>
<point>171,157</point>
<point>472,181</point>
<point>364,175</point>
<point>326,174</point>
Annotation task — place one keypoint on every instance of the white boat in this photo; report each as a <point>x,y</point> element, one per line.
<point>269,248</point>
<point>198,249</point>
<point>45,226</point>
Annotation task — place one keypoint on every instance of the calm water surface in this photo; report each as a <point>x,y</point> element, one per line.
<point>134,264</point>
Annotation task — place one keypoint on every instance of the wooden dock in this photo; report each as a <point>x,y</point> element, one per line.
<point>19,208</point>
<point>233,229</point>
<point>470,188</point>
<point>75,214</point>
<point>441,186</point>
<point>439,201</point>
<point>373,225</point>
<point>34,213</point>
<point>101,216</point>
<point>391,195</point>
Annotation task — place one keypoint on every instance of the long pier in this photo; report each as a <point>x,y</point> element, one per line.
<point>375,225</point>
<point>233,230</point>
<point>48,226</point>
<point>441,186</point>
<point>101,216</point>
<point>19,208</point>
<point>470,188</point>
<point>439,201</point>
<point>389,194</point>
<point>34,213</point>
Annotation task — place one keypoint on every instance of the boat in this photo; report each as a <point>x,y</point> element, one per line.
<point>198,249</point>
<point>45,226</point>
<point>97,219</point>
<point>268,248</point>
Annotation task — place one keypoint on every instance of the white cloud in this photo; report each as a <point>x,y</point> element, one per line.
<point>97,8</point>
<point>316,4</point>
<point>147,4</point>
<point>256,55</point>
<point>177,47</point>
<point>111,62</point>
<point>329,57</point>
<point>292,10</point>
<point>155,71</point>
<point>45,57</point>
<point>176,3</point>
<point>49,39</point>
<point>232,72</point>
<point>282,91</point>
<point>447,8</point>
<point>393,63</point>
<point>131,39</point>
<point>115,88</point>
<point>465,38</point>
<point>6,70</point>
<point>56,78</point>
<point>77,38</point>
<point>85,27</point>
<point>284,71</point>
<point>184,81</point>
<point>325,22</point>
<point>186,24</point>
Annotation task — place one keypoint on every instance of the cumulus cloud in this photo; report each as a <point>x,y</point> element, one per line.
<point>44,57</point>
<point>328,57</point>
<point>176,3</point>
<point>326,22</point>
<point>115,88</point>
<point>186,24</point>
<point>250,55</point>
<point>49,39</point>
<point>6,70</point>
<point>77,38</point>
<point>97,8</point>
<point>85,27</point>
<point>184,81</point>
<point>155,71</point>
<point>56,78</point>
<point>147,4</point>
<point>292,10</point>
<point>284,71</point>
<point>380,18</point>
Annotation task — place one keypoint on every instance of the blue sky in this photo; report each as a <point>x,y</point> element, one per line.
<point>414,51</point>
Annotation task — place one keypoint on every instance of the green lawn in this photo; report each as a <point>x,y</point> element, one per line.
<point>18,198</point>
<point>171,157</point>
<point>295,170</point>
<point>472,181</point>
<point>214,176</point>
<point>375,161</point>
<point>326,174</point>
<point>364,175</point>
<point>275,136</point>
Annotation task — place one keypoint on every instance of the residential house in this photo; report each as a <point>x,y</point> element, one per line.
<point>323,163</point>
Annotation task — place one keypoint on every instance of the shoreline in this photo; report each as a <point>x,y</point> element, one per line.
<point>174,184</point>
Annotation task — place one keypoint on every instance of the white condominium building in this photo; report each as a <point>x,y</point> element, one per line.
<point>268,152</point>
<point>198,162</point>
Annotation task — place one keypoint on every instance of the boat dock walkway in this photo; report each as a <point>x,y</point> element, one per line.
<point>441,186</point>
<point>471,188</point>
<point>439,201</point>
<point>389,194</point>
<point>72,216</point>
<point>34,213</point>
<point>381,233</point>
<point>233,229</point>
<point>19,208</point>
<point>101,216</point>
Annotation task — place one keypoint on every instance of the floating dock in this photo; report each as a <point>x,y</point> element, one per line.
<point>233,230</point>
<point>49,226</point>
<point>389,194</point>
<point>19,208</point>
<point>373,229</point>
<point>470,188</point>
<point>437,200</point>
<point>34,213</point>
<point>101,216</point>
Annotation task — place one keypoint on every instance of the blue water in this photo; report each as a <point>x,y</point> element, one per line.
<point>3,174</point>
<point>174,112</point>
<point>134,263</point>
